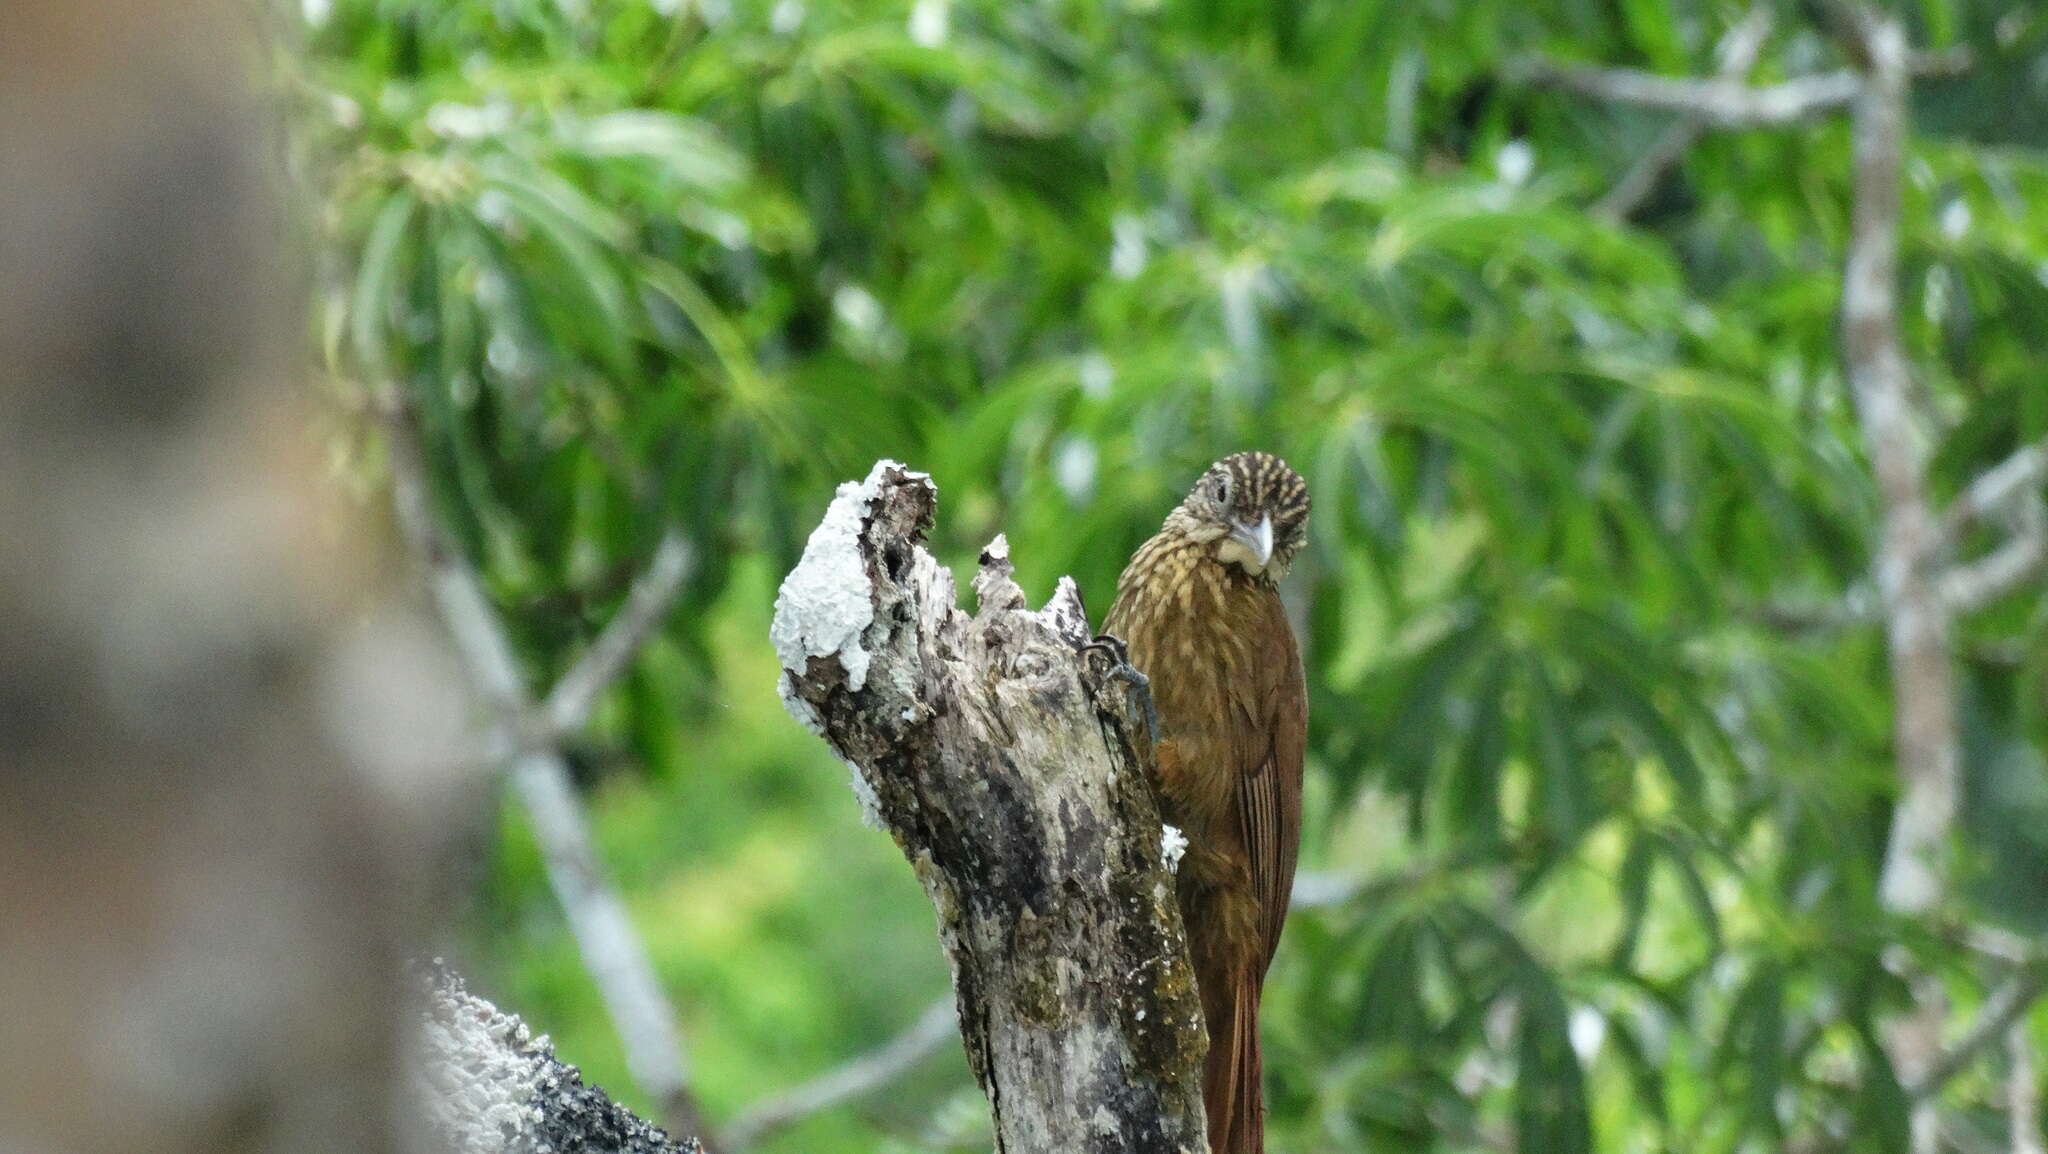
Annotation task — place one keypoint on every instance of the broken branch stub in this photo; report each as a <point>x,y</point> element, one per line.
<point>1010,759</point>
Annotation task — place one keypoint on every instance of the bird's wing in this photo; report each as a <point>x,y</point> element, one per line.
<point>1269,794</point>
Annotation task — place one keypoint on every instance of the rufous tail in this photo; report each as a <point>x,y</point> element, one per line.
<point>1232,1074</point>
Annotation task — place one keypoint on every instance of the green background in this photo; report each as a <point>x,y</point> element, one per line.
<point>1615,792</point>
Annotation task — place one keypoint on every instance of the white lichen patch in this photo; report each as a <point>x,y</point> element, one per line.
<point>798,708</point>
<point>870,805</point>
<point>1172,844</point>
<point>479,1072</point>
<point>825,603</point>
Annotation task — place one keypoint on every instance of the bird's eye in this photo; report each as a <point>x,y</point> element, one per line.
<point>1223,489</point>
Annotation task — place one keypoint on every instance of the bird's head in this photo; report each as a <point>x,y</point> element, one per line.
<point>1253,508</point>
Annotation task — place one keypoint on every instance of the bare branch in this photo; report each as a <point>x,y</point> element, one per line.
<point>1996,488</point>
<point>2005,1006</point>
<point>2022,1092</point>
<point>1965,589</point>
<point>1855,608</point>
<point>1314,891</point>
<point>1726,102</point>
<point>1970,587</point>
<point>2001,945</point>
<point>1917,613</point>
<point>1718,103</point>
<point>568,706</point>
<point>2012,483</point>
<point>1912,1041</point>
<point>1738,52</point>
<point>857,1078</point>
<point>540,776</point>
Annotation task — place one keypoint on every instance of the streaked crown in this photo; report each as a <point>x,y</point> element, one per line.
<point>1255,506</point>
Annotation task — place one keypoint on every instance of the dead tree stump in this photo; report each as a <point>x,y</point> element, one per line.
<point>1009,756</point>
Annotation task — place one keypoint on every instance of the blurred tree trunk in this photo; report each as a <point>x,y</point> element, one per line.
<point>212,724</point>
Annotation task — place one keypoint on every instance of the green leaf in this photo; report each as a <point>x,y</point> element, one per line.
<point>1550,1087</point>
<point>689,150</point>
<point>1633,886</point>
<point>1473,789</point>
<point>586,238</point>
<point>1390,1007</point>
<point>1565,806</point>
<point>1413,740</point>
<point>374,299</point>
<point>1694,887</point>
<point>1671,749</point>
<point>1646,1074</point>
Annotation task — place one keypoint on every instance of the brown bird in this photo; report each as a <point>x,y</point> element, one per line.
<point>1200,612</point>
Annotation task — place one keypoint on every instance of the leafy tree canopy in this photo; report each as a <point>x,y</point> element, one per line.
<point>1601,719</point>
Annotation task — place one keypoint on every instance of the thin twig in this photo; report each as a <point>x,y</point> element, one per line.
<point>1855,608</point>
<point>597,916</point>
<point>2022,1092</point>
<point>1314,890</point>
<point>1739,50</point>
<point>647,602</point>
<point>1723,102</point>
<point>2012,482</point>
<point>1998,944</point>
<point>857,1078</point>
<point>1965,589</point>
<point>2005,1006</point>
<point>1970,587</point>
<point>2024,558</point>
<point>1996,487</point>
<point>1324,889</point>
<point>1720,103</point>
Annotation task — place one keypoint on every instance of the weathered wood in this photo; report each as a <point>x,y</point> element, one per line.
<point>1010,759</point>
<point>484,1083</point>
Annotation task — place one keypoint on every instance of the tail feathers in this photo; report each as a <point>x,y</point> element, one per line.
<point>1231,1078</point>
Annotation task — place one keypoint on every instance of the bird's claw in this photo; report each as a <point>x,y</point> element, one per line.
<point>1121,669</point>
<point>1119,652</point>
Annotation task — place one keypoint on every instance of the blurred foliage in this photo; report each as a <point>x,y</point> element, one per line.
<point>1618,813</point>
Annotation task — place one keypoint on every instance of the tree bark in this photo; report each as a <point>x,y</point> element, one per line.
<point>1916,619</point>
<point>485,1084</point>
<point>1010,759</point>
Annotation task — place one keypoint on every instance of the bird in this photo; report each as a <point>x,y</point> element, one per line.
<point>1198,610</point>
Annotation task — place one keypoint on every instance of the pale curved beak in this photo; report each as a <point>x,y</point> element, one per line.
<point>1256,538</point>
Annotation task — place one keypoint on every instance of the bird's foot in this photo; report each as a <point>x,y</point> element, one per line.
<point>1118,668</point>
<point>1110,643</point>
